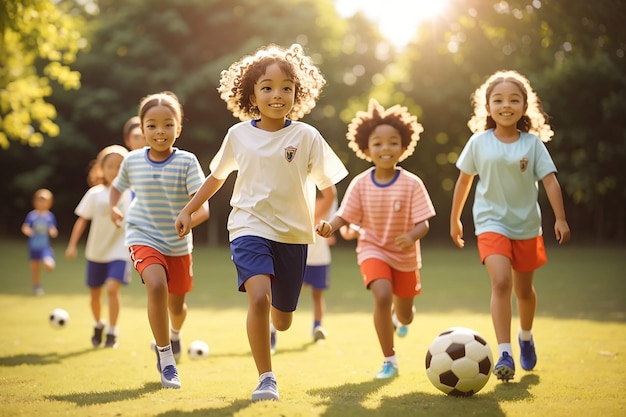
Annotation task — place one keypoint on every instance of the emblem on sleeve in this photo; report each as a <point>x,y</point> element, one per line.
<point>523,164</point>
<point>290,153</point>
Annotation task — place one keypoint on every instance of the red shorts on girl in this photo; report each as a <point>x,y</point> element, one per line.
<point>525,255</point>
<point>405,284</point>
<point>179,269</point>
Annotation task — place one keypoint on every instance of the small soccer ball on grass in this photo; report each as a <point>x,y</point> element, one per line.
<point>459,362</point>
<point>58,318</point>
<point>198,350</point>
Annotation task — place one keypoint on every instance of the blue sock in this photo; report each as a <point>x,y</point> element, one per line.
<point>316,323</point>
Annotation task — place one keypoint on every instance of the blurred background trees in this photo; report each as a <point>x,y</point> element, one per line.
<point>572,52</point>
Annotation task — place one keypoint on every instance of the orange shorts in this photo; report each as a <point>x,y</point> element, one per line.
<point>405,284</point>
<point>525,255</point>
<point>179,269</point>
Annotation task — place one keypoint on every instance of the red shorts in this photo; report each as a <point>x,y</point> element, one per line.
<point>405,284</point>
<point>525,255</point>
<point>179,269</point>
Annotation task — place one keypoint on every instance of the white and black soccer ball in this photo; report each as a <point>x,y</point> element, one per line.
<point>459,362</point>
<point>58,318</point>
<point>198,350</point>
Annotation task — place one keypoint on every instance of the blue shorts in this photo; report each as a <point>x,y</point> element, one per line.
<point>317,276</point>
<point>284,262</point>
<point>98,273</point>
<point>41,253</point>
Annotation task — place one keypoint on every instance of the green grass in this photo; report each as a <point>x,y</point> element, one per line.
<point>580,331</point>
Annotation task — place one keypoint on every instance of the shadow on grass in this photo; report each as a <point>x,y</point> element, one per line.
<point>348,400</point>
<point>229,411</point>
<point>83,399</point>
<point>40,359</point>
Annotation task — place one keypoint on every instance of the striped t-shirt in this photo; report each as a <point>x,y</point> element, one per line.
<point>161,191</point>
<point>385,211</point>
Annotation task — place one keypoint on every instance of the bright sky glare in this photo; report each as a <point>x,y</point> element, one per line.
<point>397,19</point>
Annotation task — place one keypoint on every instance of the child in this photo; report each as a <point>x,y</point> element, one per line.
<point>40,225</point>
<point>163,178</point>
<point>132,134</point>
<point>388,209</point>
<point>507,154</point>
<point>107,256</point>
<point>316,274</point>
<point>271,222</point>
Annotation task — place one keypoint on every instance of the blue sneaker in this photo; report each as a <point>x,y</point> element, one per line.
<point>389,371</point>
<point>528,357</point>
<point>169,377</point>
<point>402,330</point>
<point>266,390</point>
<point>272,341</point>
<point>505,368</point>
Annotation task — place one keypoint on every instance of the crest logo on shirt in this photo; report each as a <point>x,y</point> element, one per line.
<point>290,153</point>
<point>523,164</point>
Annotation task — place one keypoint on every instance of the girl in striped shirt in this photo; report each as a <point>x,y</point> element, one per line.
<point>387,209</point>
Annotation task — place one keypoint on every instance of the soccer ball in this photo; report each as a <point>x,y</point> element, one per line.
<point>198,350</point>
<point>58,318</point>
<point>459,362</point>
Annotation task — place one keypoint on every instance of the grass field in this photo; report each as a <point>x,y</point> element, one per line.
<point>580,331</point>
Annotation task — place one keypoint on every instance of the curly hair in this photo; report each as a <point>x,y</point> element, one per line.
<point>533,121</point>
<point>237,83</point>
<point>364,123</point>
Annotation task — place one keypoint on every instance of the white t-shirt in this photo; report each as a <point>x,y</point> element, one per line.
<point>271,198</point>
<point>505,201</point>
<point>105,242</point>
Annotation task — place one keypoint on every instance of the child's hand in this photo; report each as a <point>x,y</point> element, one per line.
<point>70,252</point>
<point>456,233</point>
<point>117,217</point>
<point>183,224</point>
<point>405,241</point>
<point>353,231</point>
<point>324,229</point>
<point>561,230</point>
<point>54,232</point>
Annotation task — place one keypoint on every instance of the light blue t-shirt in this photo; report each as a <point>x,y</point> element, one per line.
<point>161,191</point>
<point>507,189</point>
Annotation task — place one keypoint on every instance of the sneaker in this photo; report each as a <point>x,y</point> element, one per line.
<point>38,290</point>
<point>111,341</point>
<point>528,357</point>
<point>176,349</point>
<point>402,330</point>
<point>266,390</point>
<point>319,333</point>
<point>272,341</point>
<point>505,368</point>
<point>389,371</point>
<point>96,340</point>
<point>169,377</point>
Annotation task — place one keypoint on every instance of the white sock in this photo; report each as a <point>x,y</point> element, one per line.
<point>112,330</point>
<point>165,356</point>
<point>392,359</point>
<point>504,347</point>
<point>272,328</point>
<point>394,320</point>
<point>99,324</point>
<point>525,335</point>
<point>264,375</point>
<point>174,334</point>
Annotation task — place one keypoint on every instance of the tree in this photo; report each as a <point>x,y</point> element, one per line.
<point>39,39</point>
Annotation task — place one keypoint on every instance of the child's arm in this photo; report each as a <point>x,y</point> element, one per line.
<point>53,231</point>
<point>325,228</point>
<point>408,239</point>
<point>77,231</point>
<point>116,214</point>
<point>200,215</point>
<point>553,190</point>
<point>210,186</point>
<point>27,230</point>
<point>461,191</point>
<point>324,203</point>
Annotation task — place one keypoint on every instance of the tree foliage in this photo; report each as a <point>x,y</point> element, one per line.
<point>39,39</point>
